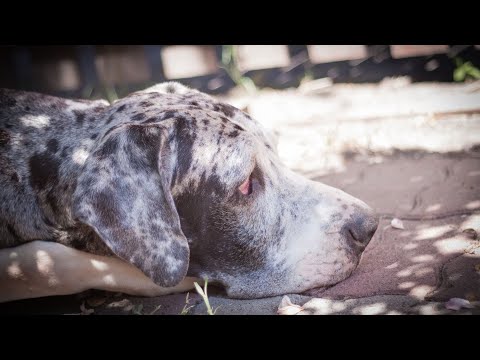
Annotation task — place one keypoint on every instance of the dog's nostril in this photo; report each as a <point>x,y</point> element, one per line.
<point>362,228</point>
<point>352,234</point>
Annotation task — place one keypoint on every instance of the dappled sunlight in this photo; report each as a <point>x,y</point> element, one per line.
<point>325,306</point>
<point>45,267</point>
<point>422,226</point>
<point>421,291</point>
<point>423,272</point>
<point>433,208</point>
<point>416,178</point>
<point>406,285</point>
<point>410,246</point>
<point>79,156</point>
<point>472,222</point>
<point>51,269</point>
<point>109,280</point>
<point>474,173</point>
<point>412,269</point>
<point>422,258</point>
<point>36,121</point>
<point>99,265</point>
<point>473,205</point>
<point>440,224</point>
<point>374,305</point>
<point>453,245</point>
<point>373,309</point>
<point>392,266</point>
<point>433,232</point>
<point>14,271</point>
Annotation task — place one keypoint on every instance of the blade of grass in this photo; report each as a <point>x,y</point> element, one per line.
<point>203,294</point>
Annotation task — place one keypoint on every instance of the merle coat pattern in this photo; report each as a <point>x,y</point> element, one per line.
<point>153,179</point>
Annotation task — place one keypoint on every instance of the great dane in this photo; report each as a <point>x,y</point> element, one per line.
<point>159,189</point>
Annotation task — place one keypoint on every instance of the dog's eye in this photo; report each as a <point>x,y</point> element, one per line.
<point>246,188</point>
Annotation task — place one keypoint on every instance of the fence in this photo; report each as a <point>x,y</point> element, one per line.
<point>99,71</point>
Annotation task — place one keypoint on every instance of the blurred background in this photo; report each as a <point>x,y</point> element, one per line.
<point>111,71</point>
<point>333,100</point>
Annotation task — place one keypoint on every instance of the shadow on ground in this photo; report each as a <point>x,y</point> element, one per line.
<point>403,271</point>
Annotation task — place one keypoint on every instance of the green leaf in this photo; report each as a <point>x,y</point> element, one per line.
<point>475,73</point>
<point>459,74</point>
<point>199,289</point>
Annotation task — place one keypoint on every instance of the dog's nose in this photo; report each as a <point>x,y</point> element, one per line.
<point>361,227</point>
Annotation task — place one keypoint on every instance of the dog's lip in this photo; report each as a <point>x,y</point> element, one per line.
<point>353,240</point>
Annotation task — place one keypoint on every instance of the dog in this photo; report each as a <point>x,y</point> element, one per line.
<point>162,188</point>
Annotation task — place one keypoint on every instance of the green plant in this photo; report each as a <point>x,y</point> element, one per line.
<point>203,294</point>
<point>229,64</point>
<point>465,70</point>
<point>155,310</point>
<point>137,309</point>
<point>186,308</point>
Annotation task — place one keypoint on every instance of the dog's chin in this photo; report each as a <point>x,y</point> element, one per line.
<point>239,290</point>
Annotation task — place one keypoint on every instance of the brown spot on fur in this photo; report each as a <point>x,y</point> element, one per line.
<point>170,89</point>
<point>110,118</point>
<point>138,117</point>
<point>226,109</point>
<point>43,171</point>
<point>146,104</point>
<point>80,116</point>
<point>150,120</point>
<point>4,137</point>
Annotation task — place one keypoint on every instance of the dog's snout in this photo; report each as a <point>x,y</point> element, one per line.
<point>361,226</point>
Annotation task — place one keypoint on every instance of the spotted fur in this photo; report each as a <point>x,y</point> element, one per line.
<point>153,179</point>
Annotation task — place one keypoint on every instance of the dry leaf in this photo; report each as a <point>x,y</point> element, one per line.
<point>477,268</point>
<point>125,305</point>
<point>397,224</point>
<point>155,310</point>
<point>286,307</point>
<point>84,310</point>
<point>471,297</point>
<point>472,249</point>
<point>96,301</point>
<point>471,233</point>
<point>457,304</point>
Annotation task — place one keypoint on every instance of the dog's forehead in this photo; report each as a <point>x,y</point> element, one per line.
<point>192,103</point>
<point>214,139</point>
<point>222,121</point>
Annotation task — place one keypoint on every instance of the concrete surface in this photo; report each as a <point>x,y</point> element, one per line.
<point>386,146</point>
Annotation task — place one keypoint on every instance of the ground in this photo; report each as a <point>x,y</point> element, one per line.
<point>410,151</point>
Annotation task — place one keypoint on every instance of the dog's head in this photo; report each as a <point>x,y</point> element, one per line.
<point>181,183</point>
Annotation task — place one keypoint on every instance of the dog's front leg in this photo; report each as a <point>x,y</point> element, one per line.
<point>42,268</point>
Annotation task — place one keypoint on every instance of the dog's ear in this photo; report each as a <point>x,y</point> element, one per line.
<point>123,193</point>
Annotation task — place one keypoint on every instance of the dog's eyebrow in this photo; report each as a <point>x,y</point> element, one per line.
<point>236,125</point>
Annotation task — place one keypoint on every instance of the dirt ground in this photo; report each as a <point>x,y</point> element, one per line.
<point>411,151</point>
